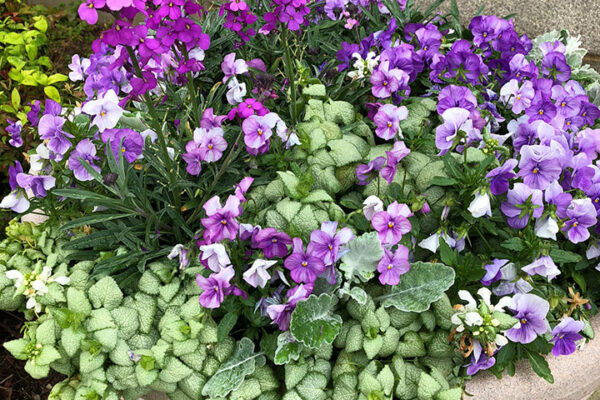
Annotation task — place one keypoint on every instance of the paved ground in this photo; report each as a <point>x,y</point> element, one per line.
<point>576,377</point>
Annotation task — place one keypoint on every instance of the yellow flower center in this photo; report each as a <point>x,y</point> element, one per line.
<point>390,267</point>
<point>518,97</point>
<point>274,241</point>
<point>260,132</point>
<point>575,224</point>
<point>523,321</point>
<point>103,113</point>
<point>384,83</point>
<point>389,124</point>
<point>304,263</point>
<point>210,146</point>
<point>536,170</point>
<point>123,150</point>
<point>563,104</point>
<point>390,225</point>
<point>223,222</point>
<point>541,112</point>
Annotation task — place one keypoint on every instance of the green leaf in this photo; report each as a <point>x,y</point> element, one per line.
<point>226,325</point>
<point>443,181</point>
<point>52,93</point>
<point>288,349</point>
<point>106,293</point>
<point>231,375</point>
<point>17,348</point>
<point>423,284</point>
<point>564,257</point>
<point>506,321</point>
<point>364,253</point>
<point>515,244</point>
<point>539,365</point>
<point>93,219</point>
<point>15,99</point>
<point>290,184</point>
<point>313,321</point>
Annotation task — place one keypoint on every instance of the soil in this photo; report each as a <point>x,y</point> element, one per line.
<point>15,383</point>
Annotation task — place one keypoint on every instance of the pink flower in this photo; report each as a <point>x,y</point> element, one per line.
<point>393,223</point>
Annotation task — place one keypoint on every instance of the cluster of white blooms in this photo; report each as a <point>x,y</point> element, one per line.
<point>363,67</point>
<point>34,284</point>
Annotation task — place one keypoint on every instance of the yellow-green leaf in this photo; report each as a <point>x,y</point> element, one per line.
<point>40,23</point>
<point>56,78</point>
<point>15,98</point>
<point>52,93</point>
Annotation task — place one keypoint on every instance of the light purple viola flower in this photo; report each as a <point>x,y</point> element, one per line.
<point>242,188</point>
<point>127,141</point>
<point>325,243</point>
<point>499,177</point>
<point>517,97</point>
<point>367,172</point>
<point>50,128</point>
<point>214,256</point>
<point>33,116</point>
<point>37,184</point>
<point>515,205</point>
<point>581,215</point>
<point>192,158</point>
<point>232,67</point>
<point>492,271</point>
<point>281,314</point>
<point>210,120</point>
<point>541,108</point>
<point>554,65</point>
<point>531,312</point>
<point>17,199</point>
<point>564,336</point>
<point>182,253</point>
<point>539,166</point>
<point>86,151</point>
<point>386,81</point>
<point>78,68</point>
<point>445,134</point>
<point>392,265</point>
<point>387,121</point>
<point>257,275</point>
<point>393,158</point>
<point>14,129</point>
<point>272,242</point>
<point>393,223</point>
<point>221,222</point>
<point>211,143</point>
<point>543,266</point>
<point>554,194</point>
<point>304,267</point>
<point>215,287</point>
<point>106,111</point>
<point>510,283</point>
<point>257,130</point>
<point>479,360</point>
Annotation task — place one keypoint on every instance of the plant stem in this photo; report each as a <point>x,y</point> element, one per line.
<point>218,176</point>
<point>290,72</point>
<point>159,132</point>
<point>192,89</point>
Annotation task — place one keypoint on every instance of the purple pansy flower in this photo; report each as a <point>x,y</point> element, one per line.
<point>455,119</point>
<point>16,200</point>
<point>393,157</point>
<point>387,121</point>
<point>543,266</point>
<point>386,81</point>
<point>493,273</point>
<point>581,215</point>
<point>393,223</point>
<point>215,287</point>
<point>271,242</point>
<point>50,128</point>
<point>193,158</point>
<point>258,130</point>
<point>127,141</point>
<point>499,177</point>
<point>37,184</point>
<point>515,205</point>
<point>303,265</point>
<point>221,222</point>
<point>86,151</point>
<point>106,111</point>
<point>539,166</point>
<point>281,314</point>
<point>325,243</point>
<point>531,312</point>
<point>367,172</point>
<point>479,360</point>
<point>564,336</point>
<point>14,128</point>
<point>232,67</point>
<point>211,143</point>
<point>392,265</point>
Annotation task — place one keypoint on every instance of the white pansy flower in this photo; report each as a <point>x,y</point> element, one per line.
<point>480,205</point>
<point>546,228</point>
<point>371,206</point>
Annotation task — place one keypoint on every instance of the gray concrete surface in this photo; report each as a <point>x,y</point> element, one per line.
<point>576,377</point>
